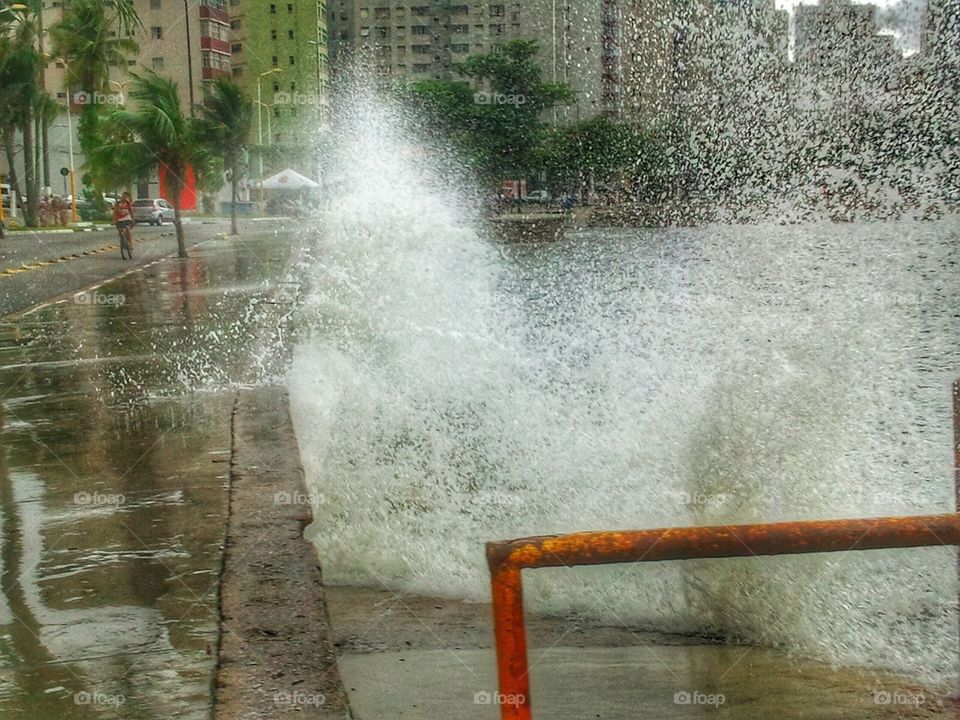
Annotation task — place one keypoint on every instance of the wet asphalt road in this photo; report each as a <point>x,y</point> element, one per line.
<point>114,449</point>
<point>37,266</point>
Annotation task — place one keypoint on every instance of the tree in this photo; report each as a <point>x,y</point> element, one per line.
<point>92,37</point>
<point>226,122</point>
<point>19,67</point>
<point>496,120</point>
<point>155,137</point>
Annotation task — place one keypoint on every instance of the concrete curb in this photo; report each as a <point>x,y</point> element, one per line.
<point>275,652</point>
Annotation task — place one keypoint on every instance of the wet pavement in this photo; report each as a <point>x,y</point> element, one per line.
<point>408,656</point>
<point>36,266</point>
<point>114,444</point>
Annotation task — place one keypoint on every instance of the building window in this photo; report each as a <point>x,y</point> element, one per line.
<point>236,47</point>
<point>236,24</point>
<point>157,63</point>
<point>293,60</point>
<point>156,32</point>
<point>273,34</point>
<point>154,4</point>
<point>289,9</point>
<point>290,34</point>
<point>273,9</point>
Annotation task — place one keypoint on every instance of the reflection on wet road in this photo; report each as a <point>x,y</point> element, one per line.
<point>114,448</point>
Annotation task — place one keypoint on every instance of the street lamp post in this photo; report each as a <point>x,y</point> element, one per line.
<point>74,217</point>
<point>260,125</point>
<point>319,99</point>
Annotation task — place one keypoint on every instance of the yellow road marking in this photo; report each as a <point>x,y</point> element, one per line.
<point>38,264</point>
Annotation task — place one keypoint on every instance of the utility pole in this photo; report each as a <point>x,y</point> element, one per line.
<point>44,129</point>
<point>186,15</point>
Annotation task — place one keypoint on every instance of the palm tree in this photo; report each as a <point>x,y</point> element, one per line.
<point>91,37</point>
<point>156,137</point>
<point>226,121</point>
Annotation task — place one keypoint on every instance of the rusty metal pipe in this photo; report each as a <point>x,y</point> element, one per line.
<point>956,460</point>
<point>722,541</point>
<point>511,640</point>
<point>508,559</point>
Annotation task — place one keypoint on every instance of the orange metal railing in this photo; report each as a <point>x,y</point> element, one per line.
<point>508,559</point>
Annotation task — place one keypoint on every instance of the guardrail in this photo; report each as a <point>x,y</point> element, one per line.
<point>508,559</point>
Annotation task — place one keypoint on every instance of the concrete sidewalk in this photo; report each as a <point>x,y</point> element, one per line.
<point>276,654</point>
<point>419,658</point>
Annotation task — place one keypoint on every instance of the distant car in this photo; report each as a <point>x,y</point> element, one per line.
<point>6,193</point>
<point>538,196</point>
<point>155,211</point>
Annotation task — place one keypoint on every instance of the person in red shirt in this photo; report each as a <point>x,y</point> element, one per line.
<point>123,218</point>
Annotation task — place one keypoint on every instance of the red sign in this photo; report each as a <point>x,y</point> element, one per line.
<point>188,198</point>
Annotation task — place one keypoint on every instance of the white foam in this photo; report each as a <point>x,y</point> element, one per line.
<point>450,392</point>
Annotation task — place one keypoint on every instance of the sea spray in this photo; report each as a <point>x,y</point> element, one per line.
<point>450,390</point>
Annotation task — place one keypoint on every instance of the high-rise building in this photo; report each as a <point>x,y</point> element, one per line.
<point>579,42</point>
<point>194,42</point>
<point>279,54</point>
<point>839,38</point>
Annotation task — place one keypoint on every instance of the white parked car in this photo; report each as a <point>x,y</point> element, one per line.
<point>156,211</point>
<point>6,193</point>
<point>538,196</point>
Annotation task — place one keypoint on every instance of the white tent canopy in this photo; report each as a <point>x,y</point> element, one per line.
<point>289,180</point>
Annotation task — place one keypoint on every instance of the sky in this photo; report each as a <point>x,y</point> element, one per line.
<point>902,18</point>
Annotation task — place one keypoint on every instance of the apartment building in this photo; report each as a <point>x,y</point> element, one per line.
<point>425,39</point>
<point>839,39</point>
<point>279,54</point>
<point>194,42</point>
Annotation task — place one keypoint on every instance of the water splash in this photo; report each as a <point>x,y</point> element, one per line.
<point>449,390</point>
